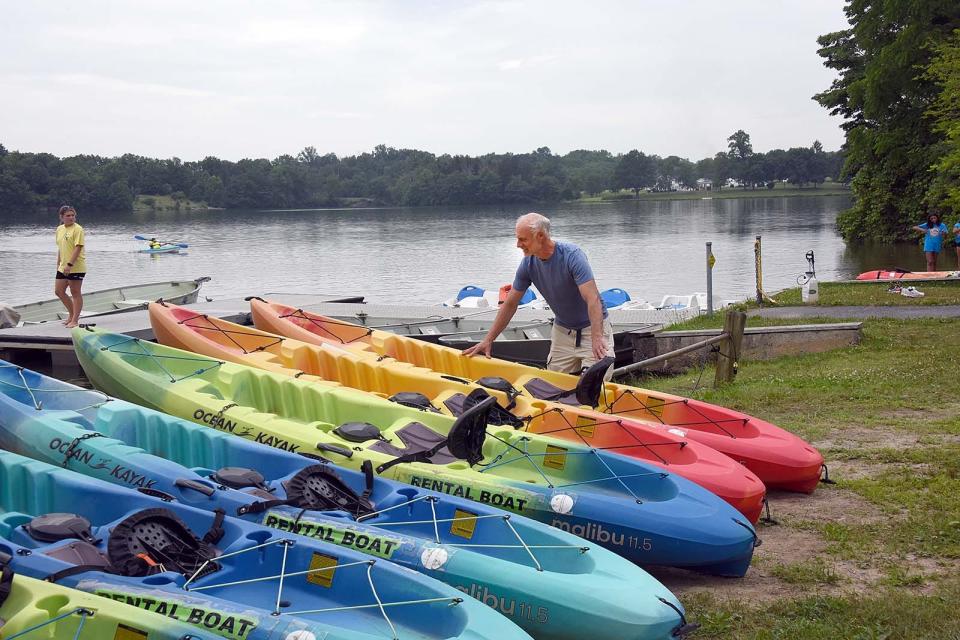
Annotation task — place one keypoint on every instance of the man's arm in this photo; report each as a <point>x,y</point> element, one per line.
<point>591,295</point>
<point>507,309</point>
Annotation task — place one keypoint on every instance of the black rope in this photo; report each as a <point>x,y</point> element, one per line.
<point>301,315</point>
<point>825,474</point>
<point>76,441</point>
<point>576,429</point>
<point>767,518</point>
<point>227,334</point>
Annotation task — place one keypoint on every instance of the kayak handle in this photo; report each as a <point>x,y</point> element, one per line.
<point>183,483</point>
<point>156,493</point>
<point>332,448</point>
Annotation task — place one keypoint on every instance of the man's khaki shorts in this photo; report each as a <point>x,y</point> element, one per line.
<point>567,357</point>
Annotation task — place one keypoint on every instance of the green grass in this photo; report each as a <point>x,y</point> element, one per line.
<point>780,191</point>
<point>814,571</point>
<point>886,416</point>
<point>887,613</point>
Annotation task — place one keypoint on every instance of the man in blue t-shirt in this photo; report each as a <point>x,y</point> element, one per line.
<point>581,334</point>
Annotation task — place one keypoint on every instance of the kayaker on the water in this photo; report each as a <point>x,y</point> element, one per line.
<point>934,231</point>
<point>71,264</point>
<point>154,244</point>
<point>581,334</point>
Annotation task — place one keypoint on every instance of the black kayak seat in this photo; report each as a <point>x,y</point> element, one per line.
<point>53,527</point>
<point>457,404</point>
<point>463,442</point>
<point>416,438</point>
<point>358,432</point>
<point>155,540</point>
<point>587,392</point>
<point>413,399</point>
<point>81,553</point>
<point>543,390</point>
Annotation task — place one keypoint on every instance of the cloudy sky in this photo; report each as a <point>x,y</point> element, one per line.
<point>238,79</point>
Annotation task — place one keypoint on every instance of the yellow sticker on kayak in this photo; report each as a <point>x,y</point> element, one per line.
<point>586,426</point>
<point>464,524</point>
<point>129,633</point>
<point>655,406</point>
<point>556,457</point>
<point>321,570</point>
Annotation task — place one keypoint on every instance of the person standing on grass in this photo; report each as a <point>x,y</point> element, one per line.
<point>581,334</point>
<point>956,241</point>
<point>71,264</point>
<point>933,231</point>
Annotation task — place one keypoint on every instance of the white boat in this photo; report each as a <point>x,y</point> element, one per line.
<point>115,300</point>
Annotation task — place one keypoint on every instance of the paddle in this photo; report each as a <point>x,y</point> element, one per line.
<point>182,245</point>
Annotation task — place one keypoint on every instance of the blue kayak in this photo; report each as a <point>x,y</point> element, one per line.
<point>221,574</point>
<point>547,581</point>
<point>163,248</point>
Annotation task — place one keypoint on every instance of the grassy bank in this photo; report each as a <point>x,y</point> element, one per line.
<point>876,555</point>
<point>166,203</point>
<point>780,191</point>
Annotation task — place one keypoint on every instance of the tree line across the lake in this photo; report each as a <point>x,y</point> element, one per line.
<point>388,176</point>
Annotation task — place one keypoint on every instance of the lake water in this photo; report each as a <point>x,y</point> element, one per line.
<point>426,255</point>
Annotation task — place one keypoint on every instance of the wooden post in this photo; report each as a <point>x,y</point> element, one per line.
<point>733,323</point>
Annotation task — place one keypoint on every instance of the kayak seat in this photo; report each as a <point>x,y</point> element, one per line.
<point>498,415</point>
<point>416,438</point>
<point>54,527</point>
<point>81,554</point>
<point>359,432</point>
<point>413,399</point>
<point>463,442</point>
<point>543,390</point>
<point>157,540</point>
<point>587,392</point>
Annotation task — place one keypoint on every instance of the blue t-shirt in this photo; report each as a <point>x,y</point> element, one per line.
<point>558,279</point>
<point>933,239</point>
<point>956,231</point>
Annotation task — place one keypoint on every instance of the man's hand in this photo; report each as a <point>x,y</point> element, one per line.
<point>66,270</point>
<point>599,348</point>
<point>483,347</point>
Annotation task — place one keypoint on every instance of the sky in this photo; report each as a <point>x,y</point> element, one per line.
<point>237,79</point>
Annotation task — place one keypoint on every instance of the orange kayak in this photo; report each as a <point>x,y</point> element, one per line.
<point>331,363</point>
<point>779,458</point>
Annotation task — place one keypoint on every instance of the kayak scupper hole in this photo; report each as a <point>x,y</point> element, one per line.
<point>259,537</point>
<point>52,604</point>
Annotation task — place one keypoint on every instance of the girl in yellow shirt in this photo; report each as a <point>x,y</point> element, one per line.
<point>71,264</point>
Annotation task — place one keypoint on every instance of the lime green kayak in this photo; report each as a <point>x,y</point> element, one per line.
<point>627,505</point>
<point>34,609</point>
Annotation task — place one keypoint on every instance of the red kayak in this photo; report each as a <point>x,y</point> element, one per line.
<point>900,274</point>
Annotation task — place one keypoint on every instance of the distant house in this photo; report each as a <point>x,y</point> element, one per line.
<point>704,184</point>
<point>733,182</point>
